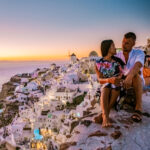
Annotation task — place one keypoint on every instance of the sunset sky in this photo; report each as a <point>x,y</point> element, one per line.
<point>49,29</point>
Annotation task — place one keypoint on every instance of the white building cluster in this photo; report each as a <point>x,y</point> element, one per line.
<point>44,95</point>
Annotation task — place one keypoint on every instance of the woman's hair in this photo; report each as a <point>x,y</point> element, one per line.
<point>105,45</point>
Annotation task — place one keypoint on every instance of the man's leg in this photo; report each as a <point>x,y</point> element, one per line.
<point>138,87</point>
<point>104,102</point>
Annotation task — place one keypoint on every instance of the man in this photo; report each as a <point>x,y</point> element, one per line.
<point>134,60</point>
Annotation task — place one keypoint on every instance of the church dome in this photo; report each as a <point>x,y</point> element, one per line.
<point>93,53</point>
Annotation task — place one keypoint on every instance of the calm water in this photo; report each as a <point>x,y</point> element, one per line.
<point>8,69</point>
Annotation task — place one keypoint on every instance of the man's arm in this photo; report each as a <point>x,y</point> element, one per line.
<point>139,63</point>
<point>135,70</point>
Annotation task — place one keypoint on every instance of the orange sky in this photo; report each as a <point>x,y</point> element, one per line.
<point>41,45</point>
<point>28,43</point>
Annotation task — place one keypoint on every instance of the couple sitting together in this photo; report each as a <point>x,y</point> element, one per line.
<point>120,70</point>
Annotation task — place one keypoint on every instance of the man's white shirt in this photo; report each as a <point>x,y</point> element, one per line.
<point>135,55</point>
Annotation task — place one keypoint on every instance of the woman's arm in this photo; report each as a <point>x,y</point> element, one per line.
<point>113,80</point>
<point>102,80</point>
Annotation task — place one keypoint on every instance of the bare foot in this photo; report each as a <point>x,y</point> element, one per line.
<point>98,119</point>
<point>106,122</point>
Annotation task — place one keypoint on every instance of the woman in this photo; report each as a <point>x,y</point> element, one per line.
<point>109,74</point>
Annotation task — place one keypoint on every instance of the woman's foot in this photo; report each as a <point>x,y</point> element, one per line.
<point>98,119</point>
<point>106,122</point>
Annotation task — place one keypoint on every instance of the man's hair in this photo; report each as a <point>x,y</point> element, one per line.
<point>130,35</point>
<point>105,45</point>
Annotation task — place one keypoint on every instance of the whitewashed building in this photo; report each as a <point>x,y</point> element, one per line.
<point>62,93</point>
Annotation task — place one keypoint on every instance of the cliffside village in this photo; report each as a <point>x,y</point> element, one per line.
<point>41,105</point>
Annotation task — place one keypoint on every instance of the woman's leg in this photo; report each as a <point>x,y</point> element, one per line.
<point>104,102</point>
<point>113,98</point>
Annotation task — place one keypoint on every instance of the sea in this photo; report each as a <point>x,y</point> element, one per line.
<point>10,68</point>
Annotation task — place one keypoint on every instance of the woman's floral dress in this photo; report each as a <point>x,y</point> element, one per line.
<point>109,69</point>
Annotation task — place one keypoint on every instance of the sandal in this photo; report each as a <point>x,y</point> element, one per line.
<point>136,117</point>
<point>146,114</point>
